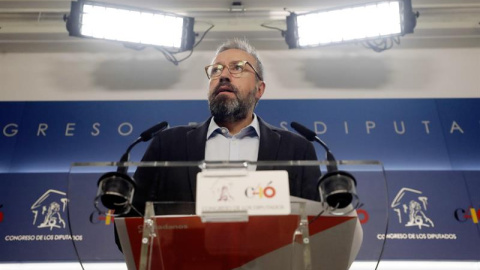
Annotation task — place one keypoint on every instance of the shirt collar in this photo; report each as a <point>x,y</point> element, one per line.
<point>213,128</point>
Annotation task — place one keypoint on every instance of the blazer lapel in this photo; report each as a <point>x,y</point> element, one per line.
<point>269,144</point>
<point>196,140</point>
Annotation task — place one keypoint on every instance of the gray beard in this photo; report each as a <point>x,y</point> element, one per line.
<point>228,110</point>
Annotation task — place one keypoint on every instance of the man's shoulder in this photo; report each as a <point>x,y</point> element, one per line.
<point>177,130</point>
<point>184,128</point>
<point>285,134</point>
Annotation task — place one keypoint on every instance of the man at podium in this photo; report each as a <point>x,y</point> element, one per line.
<point>233,132</point>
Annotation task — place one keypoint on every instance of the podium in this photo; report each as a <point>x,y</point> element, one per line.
<point>171,234</point>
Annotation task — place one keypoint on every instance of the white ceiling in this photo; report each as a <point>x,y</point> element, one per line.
<point>38,26</point>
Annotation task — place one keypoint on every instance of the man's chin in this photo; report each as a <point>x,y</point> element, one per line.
<point>224,96</point>
<point>225,99</point>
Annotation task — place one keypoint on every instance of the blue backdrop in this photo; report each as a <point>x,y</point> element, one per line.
<point>430,149</point>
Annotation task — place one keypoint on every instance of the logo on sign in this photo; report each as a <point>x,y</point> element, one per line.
<point>221,191</point>
<point>462,215</point>
<point>49,210</point>
<point>411,207</point>
<point>225,194</point>
<point>259,191</point>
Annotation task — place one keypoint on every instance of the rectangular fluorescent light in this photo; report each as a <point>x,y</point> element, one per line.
<point>368,21</point>
<point>130,25</point>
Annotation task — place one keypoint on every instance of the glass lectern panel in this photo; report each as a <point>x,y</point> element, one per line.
<point>341,228</point>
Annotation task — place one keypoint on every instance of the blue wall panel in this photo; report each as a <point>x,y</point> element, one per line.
<point>430,149</point>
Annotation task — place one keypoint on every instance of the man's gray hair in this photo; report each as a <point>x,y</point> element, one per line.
<point>244,45</point>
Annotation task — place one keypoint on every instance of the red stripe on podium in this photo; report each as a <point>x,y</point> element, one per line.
<point>187,243</point>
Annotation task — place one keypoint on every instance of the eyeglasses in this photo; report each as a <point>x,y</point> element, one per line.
<point>235,68</point>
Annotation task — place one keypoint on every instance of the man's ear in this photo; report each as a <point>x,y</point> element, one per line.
<point>260,89</point>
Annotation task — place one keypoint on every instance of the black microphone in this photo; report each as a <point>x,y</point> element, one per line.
<point>148,134</point>
<point>337,188</point>
<point>144,137</point>
<point>115,189</point>
<point>312,136</point>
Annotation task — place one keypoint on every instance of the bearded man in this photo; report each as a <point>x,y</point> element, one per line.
<point>233,132</point>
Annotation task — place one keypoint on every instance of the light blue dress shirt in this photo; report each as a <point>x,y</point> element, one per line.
<point>223,146</point>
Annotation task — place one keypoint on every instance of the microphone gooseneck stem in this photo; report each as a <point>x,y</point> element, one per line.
<point>144,137</point>
<point>312,136</point>
<point>126,156</point>
<point>332,166</point>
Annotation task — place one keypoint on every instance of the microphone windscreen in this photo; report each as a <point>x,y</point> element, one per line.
<point>149,133</point>
<point>305,132</point>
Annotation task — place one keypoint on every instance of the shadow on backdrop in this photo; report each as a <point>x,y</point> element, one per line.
<point>353,73</point>
<point>140,74</point>
<point>346,72</point>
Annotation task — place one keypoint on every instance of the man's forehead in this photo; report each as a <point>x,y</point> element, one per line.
<point>233,55</point>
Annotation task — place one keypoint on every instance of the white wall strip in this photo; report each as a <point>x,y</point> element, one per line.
<point>417,265</point>
<point>298,74</point>
<point>62,266</point>
<point>384,265</point>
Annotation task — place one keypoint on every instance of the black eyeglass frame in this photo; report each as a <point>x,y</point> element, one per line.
<point>223,66</point>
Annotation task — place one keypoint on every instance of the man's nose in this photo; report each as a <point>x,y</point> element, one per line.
<point>225,77</point>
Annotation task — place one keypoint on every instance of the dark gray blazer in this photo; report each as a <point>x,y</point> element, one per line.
<point>187,143</point>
